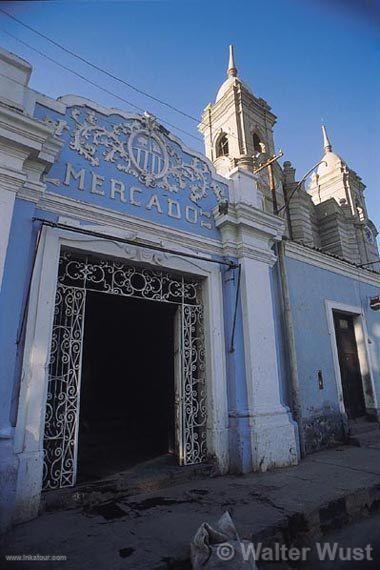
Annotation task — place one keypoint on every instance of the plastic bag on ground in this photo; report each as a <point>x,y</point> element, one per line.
<point>219,547</point>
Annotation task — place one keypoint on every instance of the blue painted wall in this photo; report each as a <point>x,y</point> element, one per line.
<point>17,271</point>
<point>13,300</point>
<point>309,287</point>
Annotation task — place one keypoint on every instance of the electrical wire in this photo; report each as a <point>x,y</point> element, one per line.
<point>94,84</point>
<point>82,230</point>
<point>124,82</point>
<point>98,68</point>
<point>106,72</point>
<point>287,202</point>
<point>109,74</point>
<point>119,97</point>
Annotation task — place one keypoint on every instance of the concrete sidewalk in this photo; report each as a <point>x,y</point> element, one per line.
<point>153,530</point>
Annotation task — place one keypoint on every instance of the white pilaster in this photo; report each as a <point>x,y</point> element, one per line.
<point>27,150</point>
<point>244,188</point>
<point>7,200</point>
<point>27,147</point>
<point>15,75</point>
<point>273,432</point>
<point>249,233</point>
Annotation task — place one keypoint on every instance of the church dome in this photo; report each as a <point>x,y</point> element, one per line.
<point>230,82</point>
<point>330,162</point>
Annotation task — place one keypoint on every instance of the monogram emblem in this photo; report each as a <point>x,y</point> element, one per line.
<point>148,154</point>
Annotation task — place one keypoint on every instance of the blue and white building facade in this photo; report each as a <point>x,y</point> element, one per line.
<point>93,199</point>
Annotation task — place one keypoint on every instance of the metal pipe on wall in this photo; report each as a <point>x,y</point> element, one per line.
<point>291,345</point>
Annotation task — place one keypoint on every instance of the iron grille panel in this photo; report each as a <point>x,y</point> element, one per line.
<point>62,406</point>
<point>194,386</point>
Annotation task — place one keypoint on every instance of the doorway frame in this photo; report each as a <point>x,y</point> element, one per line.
<point>29,429</point>
<point>364,356</point>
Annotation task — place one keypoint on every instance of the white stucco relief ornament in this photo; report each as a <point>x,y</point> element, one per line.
<point>139,146</point>
<point>58,126</point>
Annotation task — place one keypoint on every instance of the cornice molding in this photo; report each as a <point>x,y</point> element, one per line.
<point>263,255</point>
<point>28,148</point>
<point>248,232</point>
<point>241,250</point>
<point>22,129</point>
<point>31,191</point>
<point>67,207</point>
<point>318,259</point>
<point>11,180</point>
<point>251,219</point>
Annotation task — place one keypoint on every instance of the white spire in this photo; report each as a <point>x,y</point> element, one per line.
<point>231,71</point>
<point>326,141</point>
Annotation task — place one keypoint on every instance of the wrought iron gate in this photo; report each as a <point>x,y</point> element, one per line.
<point>77,275</point>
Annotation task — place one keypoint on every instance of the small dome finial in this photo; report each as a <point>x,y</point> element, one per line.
<point>231,71</point>
<point>326,141</point>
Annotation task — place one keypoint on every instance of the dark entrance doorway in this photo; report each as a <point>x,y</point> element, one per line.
<point>127,387</point>
<point>352,385</point>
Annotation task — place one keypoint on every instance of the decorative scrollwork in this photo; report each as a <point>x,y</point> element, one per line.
<point>115,277</point>
<point>139,146</point>
<point>61,417</point>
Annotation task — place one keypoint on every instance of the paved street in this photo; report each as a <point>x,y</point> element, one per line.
<point>154,529</point>
<point>357,535</point>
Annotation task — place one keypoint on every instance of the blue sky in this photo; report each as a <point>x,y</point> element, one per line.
<point>309,59</point>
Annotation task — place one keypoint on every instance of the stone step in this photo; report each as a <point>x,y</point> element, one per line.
<point>367,439</point>
<point>148,476</point>
<point>362,426</point>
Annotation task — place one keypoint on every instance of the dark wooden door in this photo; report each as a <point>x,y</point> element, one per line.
<point>349,365</point>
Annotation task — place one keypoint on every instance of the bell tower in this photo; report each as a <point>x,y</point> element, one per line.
<point>338,194</point>
<point>238,128</point>
<point>237,125</point>
<point>334,179</point>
